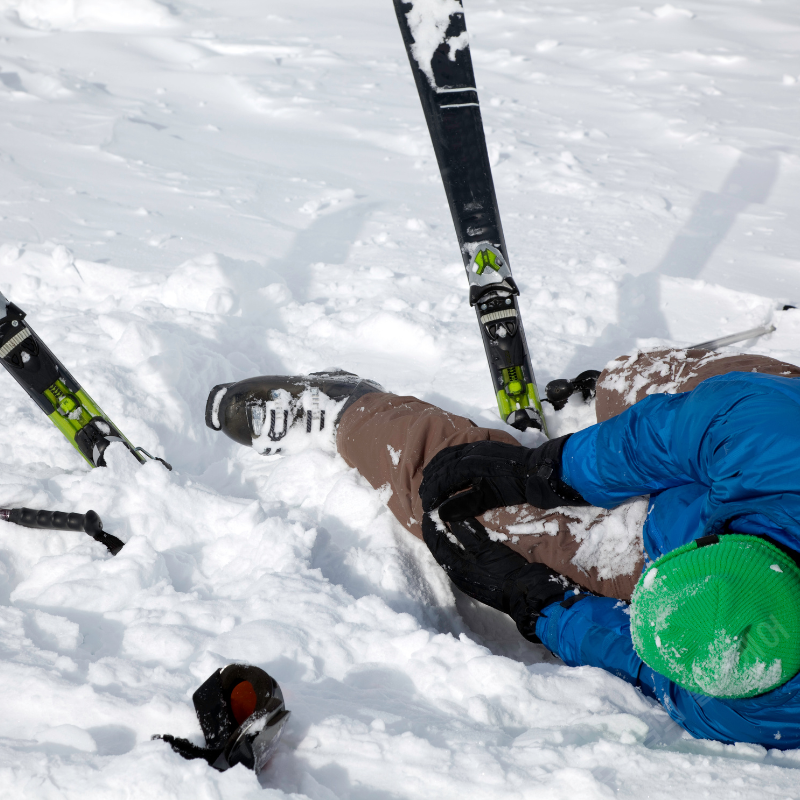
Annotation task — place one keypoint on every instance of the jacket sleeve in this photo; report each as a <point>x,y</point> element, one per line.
<point>595,631</point>
<point>733,434</point>
<point>585,630</point>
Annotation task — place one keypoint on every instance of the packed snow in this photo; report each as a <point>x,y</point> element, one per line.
<point>196,193</point>
<point>428,21</point>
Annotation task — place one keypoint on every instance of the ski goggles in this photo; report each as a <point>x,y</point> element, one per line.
<point>242,714</point>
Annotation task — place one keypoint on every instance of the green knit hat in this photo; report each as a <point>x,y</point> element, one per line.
<point>720,616</point>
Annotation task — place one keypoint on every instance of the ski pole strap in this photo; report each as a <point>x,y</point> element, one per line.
<point>89,523</point>
<point>190,750</point>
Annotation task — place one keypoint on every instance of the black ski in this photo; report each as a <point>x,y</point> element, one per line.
<point>438,49</point>
<point>48,382</point>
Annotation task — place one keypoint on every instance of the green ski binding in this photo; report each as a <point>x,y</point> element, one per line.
<point>493,293</point>
<point>55,391</point>
<point>445,82</point>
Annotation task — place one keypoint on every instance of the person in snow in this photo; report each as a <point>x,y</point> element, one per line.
<point>706,615</point>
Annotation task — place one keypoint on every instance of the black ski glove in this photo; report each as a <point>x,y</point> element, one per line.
<point>493,573</point>
<point>495,474</point>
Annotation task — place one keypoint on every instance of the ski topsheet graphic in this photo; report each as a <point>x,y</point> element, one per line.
<point>54,390</point>
<point>435,36</point>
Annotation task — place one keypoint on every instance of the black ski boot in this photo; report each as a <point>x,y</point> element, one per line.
<point>258,412</point>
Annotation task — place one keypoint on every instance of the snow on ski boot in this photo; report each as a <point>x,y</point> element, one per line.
<point>242,714</point>
<point>260,412</point>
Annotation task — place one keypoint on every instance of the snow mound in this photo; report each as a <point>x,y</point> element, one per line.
<point>88,15</point>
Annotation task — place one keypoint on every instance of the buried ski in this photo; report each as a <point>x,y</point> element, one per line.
<point>435,37</point>
<point>54,390</point>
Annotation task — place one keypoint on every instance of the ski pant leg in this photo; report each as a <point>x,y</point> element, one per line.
<point>629,379</point>
<point>389,440</point>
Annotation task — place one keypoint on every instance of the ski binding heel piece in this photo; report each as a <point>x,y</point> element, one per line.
<point>493,293</point>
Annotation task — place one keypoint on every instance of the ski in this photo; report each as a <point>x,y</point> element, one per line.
<point>435,36</point>
<point>54,390</point>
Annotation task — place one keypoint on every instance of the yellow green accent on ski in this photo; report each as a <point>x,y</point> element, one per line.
<point>73,411</point>
<point>517,394</point>
<point>485,258</point>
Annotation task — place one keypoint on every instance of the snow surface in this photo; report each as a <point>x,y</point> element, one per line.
<point>194,193</point>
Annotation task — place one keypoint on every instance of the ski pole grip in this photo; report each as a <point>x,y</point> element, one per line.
<point>50,520</point>
<point>89,523</point>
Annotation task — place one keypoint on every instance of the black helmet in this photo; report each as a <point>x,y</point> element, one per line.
<point>242,714</point>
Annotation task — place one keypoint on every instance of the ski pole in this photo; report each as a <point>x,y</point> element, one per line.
<point>55,391</point>
<point>89,523</point>
<point>742,336</point>
<point>560,390</point>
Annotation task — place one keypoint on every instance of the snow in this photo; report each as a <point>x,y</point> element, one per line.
<point>428,21</point>
<point>612,543</point>
<point>649,577</point>
<point>720,673</point>
<point>87,15</point>
<point>196,193</point>
<point>220,393</point>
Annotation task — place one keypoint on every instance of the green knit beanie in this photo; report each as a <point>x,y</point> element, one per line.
<point>721,618</point>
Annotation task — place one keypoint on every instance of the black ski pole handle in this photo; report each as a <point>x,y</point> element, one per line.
<point>560,390</point>
<point>89,522</point>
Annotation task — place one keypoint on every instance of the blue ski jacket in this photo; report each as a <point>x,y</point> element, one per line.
<point>726,454</point>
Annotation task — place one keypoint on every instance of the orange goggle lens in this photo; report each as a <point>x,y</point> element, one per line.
<point>243,701</point>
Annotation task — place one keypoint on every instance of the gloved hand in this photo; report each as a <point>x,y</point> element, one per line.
<point>495,474</point>
<point>493,573</point>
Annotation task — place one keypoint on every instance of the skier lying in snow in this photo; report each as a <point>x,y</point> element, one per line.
<point>713,626</point>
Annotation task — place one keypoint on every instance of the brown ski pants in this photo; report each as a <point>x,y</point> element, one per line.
<point>389,439</point>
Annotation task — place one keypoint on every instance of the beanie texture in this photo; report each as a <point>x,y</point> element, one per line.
<point>722,619</point>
